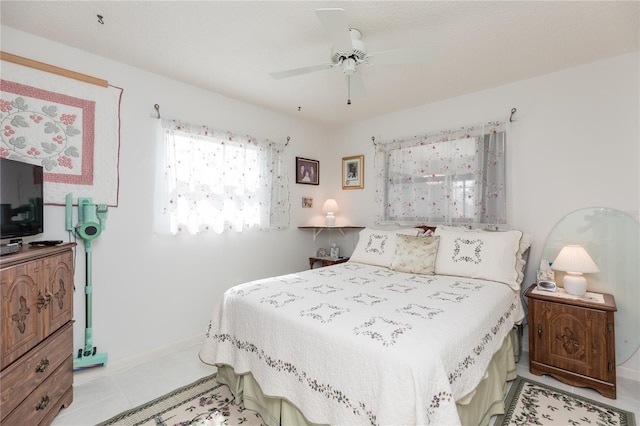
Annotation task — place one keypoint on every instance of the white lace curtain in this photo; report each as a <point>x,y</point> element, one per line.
<point>214,181</point>
<point>449,177</point>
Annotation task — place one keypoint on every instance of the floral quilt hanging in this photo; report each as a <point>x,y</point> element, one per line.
<point>70,127</point>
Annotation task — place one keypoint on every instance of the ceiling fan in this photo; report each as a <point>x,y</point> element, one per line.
<point>349,52</point>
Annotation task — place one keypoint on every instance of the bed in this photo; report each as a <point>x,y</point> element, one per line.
<point>416,328</point>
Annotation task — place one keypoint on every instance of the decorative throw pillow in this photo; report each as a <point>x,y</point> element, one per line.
<point>377,247</point>
<point>479,254</point>
<point>416,255</point>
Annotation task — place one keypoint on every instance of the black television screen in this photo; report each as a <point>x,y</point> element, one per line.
<point>21,199</point>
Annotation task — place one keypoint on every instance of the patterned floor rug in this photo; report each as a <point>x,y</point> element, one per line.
<point>532,403</point>
<point>204,402</point>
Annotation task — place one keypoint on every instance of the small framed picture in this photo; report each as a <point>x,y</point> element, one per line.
<point>307,171</point>
<point>307,202</point>
<point>353,172</point>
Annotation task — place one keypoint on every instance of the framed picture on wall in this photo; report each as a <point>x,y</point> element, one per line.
<point>307,171</point>
<point>353,172</point>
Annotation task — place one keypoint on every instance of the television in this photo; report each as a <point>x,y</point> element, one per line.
<point>21,199</point>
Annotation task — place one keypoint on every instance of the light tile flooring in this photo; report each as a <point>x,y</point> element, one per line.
<point>99,394</point>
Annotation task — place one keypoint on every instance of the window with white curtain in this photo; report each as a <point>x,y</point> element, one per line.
<point>214,181</point>
<point>449,177</point>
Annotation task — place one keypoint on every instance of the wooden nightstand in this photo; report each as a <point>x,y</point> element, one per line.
<point>326,261</point>
<point>572,339</point>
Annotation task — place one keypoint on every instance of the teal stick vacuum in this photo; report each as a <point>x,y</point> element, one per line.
<point>91,223</point>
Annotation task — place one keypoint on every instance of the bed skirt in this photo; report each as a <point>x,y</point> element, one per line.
<point>477,408</point>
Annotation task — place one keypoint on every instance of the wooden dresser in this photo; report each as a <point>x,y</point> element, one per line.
<point>572,339</point>
<point>36,356</point>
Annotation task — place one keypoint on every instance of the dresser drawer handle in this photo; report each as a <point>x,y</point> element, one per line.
<point>43,403</point>
<point>42,366</point>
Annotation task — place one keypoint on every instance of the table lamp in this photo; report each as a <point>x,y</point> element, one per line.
<point>330,207</point>
<point>574,260</point>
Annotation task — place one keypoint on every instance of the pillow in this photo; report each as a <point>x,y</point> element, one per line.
<point>416,255</point>
<point>377,247</point>
<point>521,259</point>
<point>479,254</point>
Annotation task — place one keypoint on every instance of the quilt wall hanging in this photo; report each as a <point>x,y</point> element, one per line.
<point>67,122</point>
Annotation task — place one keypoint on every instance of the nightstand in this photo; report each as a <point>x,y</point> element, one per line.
<point>326,261</point>
<point>572,338</point>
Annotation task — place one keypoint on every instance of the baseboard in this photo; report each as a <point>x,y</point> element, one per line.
<point>83,376</point>
<point>627,373</point>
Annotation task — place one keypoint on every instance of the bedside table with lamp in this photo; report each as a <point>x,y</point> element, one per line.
<point>571,331</point>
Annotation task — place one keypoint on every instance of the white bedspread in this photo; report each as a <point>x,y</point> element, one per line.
<point>360,344</point>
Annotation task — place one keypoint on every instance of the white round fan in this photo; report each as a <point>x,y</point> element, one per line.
<point>349,52</point>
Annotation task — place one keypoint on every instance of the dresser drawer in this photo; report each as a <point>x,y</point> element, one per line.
<point>44,398</point>
<point>20,378</point>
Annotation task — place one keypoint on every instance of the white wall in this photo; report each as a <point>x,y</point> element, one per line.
<point>152,291</point>
<point>575,144</point>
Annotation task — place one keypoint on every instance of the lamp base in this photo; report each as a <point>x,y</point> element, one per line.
<point>330,220</point>
<point>575,284</point>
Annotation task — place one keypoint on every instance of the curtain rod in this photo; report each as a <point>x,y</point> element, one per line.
<point>157,108</point>
<point>511,119</point>
<point>52,69</point>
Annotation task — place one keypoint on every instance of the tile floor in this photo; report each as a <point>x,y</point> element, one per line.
<point>99,394</point>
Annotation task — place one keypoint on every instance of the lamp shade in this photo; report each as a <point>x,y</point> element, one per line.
<point>330,206</point>
<point>574,258</point>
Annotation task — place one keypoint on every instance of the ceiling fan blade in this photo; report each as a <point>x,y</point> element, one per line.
<point>299,71</point>
<point>401,56</point>
<point>355,86</point>
<point>335,24</point>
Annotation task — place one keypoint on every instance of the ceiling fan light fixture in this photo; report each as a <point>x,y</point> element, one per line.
<point>348,66</point>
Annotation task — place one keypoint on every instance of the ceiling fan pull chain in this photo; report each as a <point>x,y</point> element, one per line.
<point>348,89</point>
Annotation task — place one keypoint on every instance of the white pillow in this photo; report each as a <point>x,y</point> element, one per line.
<point>525,244</point>
<point>377,247</point>
<point>415,255</point>
<point>479,254</point>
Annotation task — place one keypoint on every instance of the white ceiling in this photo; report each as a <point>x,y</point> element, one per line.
<point>230,47</point>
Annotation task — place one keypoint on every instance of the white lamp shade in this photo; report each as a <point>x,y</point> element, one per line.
<point>574,258</point>
<point>330,206</point>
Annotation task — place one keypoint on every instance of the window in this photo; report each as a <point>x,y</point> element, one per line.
<point>452,177</point>
<point>213,181</point>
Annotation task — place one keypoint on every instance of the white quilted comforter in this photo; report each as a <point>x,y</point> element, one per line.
<point>360,344</point>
